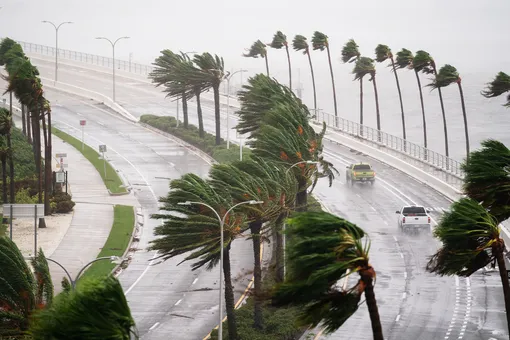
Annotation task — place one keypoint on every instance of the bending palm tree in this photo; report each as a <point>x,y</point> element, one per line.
<point>498,86</point>
<point>471,240</point>
<point>300,44</point>
<point>258,49</point>
<point>280,41</point>
<point>383,53</point>
<point>6,126</point>
<point>199,232</point>
<point>448,75</point>
<point>325,249</point>
<point>350,53</point>
<point>320,42</point>
<point>363,67</point>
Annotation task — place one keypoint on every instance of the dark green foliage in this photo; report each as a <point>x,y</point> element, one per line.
<point>70,316</point>
<point>17,286</point>
<point>24,163</point>
<point>299,43</point>
<point>404,59</point>
<point>5,46</point>
<point>363,66</point>
<point>498,86</point>
<point>44,290</point>
<point>486,178</point>
<point>279,40</point>
<point>66,285</point>
<point>319,41</point>
<point>470,236</point>
<point>423,62</point>
<point>447,75</point>
<point>350,52</point>
<point>382,53</point>
<point>258,49</point>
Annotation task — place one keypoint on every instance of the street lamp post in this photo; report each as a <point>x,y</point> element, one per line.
<point>227,77</point>
<point>56,43</point>
<point>222,223</point>
<point>113,62</point>
<point>177,123</point>
<point>114,259</point>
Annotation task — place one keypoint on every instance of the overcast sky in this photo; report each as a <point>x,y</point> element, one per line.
<point>472,35</point>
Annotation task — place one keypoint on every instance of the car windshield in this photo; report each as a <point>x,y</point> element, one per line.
<point>414,211</point>
<point>362,167</point>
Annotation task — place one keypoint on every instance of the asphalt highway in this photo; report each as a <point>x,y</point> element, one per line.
<point>413,304</point>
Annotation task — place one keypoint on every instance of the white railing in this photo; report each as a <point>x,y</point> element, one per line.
<point>388,143</point>
<point>394,143</point>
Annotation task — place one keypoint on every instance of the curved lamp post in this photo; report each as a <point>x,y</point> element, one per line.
<point>113,48</point>
<point>222,223</point>
<point>56,43</point>
<point>113,259</point>
<point>227,77</point>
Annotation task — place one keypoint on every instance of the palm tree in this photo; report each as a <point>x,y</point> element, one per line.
<point>448,75</point>
<point>498,86</point>
<point>4,156</point>
<point>325,249</point>
<point>300,44</point>
<point>364,66</point>
<point>320,42</point>
<point>383,53</point>
<point>471,240</point>
<point>97,309</point>
<point>405,59</point>
<point>212,73</point>
<point>280,41</point>
<point>258,49</point>
<point>350,53</point>
<point>6,126</point>
<point>196,229</point>
<point>17,285</point>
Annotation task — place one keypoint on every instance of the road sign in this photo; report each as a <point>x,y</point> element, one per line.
<point>60,155</point>
<point>83,122</point>
<point>60,177</point>
<point>63,165</point>
<point>102,148</point>
<point>23,210</point>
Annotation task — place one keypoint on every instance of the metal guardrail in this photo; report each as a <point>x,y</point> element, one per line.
<point>380,138</point>
<point>127,66</point>
<point>393,143</point>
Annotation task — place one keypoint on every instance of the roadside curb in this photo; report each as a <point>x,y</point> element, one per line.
<point>131,246</point>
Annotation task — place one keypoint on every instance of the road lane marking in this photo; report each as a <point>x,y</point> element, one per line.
<point>373,208</point>
<point>404,295</point>
<point>154,326</point>
<point>405,275</point>
<point>178,302</point>
<point>398,318</point>
<point>195,281</point>
<point>395,238</point>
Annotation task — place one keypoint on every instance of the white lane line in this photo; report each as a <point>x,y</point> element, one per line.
<point>398,318</point>
<point>405,275</point>
<point>394,237</point>
<point>178,302</point>
<point>404,295</point>
<point>373,208</point>
<point>195,280</point>
<point>102,124</point>
<point>358,195</point>
<point>154,326</point>
<point>401,255</point>
<point>385,222</point>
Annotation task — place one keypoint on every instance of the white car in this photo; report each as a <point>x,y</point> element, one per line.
<point>414,219</point>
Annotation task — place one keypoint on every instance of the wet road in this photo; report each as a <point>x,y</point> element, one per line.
<point>412,303</point>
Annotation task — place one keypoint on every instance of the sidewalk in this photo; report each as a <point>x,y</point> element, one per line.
<point>92,219</point>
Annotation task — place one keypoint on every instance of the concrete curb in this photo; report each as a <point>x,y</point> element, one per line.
<point>135,237</point>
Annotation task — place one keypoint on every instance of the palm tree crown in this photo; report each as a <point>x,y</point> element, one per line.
<point>498,86</point>
<point>319,41</point>
<point>363,66</point>
<point>300,43</point>
<point>350,52</point>
<point>404,59</point>
<point>382,53</point>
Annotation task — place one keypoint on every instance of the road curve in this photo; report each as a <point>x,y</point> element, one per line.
<point>413,303</point>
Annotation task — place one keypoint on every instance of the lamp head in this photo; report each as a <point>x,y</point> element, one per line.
<point>184,203</point>
<point>252,202</point>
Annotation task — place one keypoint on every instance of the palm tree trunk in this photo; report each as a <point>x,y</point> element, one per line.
<point>313,82</point>
<point>216,89</point>
<point>445,127</point>
<point>199,114</point>
<point>504,281</point>
<point>279,248</point>
<point>255,228</point>
<point>185,110</point>
<point>11,166</point>
<point>333,84</point>
<point>401,102</point>
<point>23,120</point>
<point>302,196</point>
<point>290,67</point>
<point>267,65</point>
<point>48,172</point>
<point>229,295</point>
<point>376,94</point>
<point>465,117</point>
<point>422,113</point>
<point>29,130</point>
<point>373,311</point>
<point>361,106</point>
<point>4,179</point>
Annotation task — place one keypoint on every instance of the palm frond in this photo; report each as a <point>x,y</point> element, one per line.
<point>422,62</point>
<point>300,43</point>
<point>447,75</point>
<point>350,52</point>
<point>363,66</point>
<point>382,53</point>
<point>258,49</point>
<point>279,40</point>
<point>497,87</point>
<point>319,41</point>
<point>404,59</point>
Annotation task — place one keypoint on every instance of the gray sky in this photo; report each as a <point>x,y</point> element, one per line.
<point>472,35</point>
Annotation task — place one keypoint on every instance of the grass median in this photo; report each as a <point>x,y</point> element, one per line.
<point>117,242</point>
<point>112,180</point>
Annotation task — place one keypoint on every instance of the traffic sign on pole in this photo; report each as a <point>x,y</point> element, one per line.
<point>60,155</point>
<point>83,122</point>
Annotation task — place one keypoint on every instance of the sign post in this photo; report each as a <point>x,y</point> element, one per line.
<point>102,149</point>
<point>82,123</point>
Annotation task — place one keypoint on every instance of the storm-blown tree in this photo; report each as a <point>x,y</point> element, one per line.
<point>320,42</point>
<point>364,66</point>
<point>258,49</point>
<point>471,240</point>
<point>497,87</point>
<point>300,44</point>
<point>196,229</point>
<point>279,41</point>
<point>383,53</point>
<point>448,75</point>
<point>324,250</point>
<point>350,53</point>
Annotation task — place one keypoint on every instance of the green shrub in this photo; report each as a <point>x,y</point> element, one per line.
<point>61,203</point>
<point>23,196</point>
